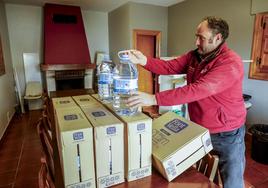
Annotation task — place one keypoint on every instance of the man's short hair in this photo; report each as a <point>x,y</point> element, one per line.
<point>218,25</point>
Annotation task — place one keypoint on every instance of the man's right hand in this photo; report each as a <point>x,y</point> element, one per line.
<point>136,57</point>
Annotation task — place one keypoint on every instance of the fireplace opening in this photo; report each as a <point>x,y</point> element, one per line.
<point>70,79</point>
<point>70,84</point>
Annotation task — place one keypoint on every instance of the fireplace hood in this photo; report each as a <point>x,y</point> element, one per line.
<point>67,62</point>
<point>65,42</point>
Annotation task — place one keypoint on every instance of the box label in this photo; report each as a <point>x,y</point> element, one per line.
<point>207,142</point>
<point>70,117</point>
<point>98,114</point>
<point>84,184</point>
<point>78,136</point>
<point>110,180</point>
<point>159,138</point>
<point>111,130</point>
<point>140,173</point>
<point>176,125</point>
<point>171,169</point>
<point>85,99</point>
<point>64,102</point>
<point>141,127</point>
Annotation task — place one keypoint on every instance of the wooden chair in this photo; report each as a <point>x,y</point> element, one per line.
<point>208,165</point>
<point>47,122</point>
<point>44,177</point>
<point>47,111</point>
<point>46,142</point>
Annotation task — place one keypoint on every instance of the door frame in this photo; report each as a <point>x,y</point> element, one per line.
<point>157,35</point>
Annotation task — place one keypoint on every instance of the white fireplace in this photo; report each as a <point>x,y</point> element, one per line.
<point>68,77</point>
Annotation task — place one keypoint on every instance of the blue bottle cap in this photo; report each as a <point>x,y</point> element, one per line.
<point>124,57</point>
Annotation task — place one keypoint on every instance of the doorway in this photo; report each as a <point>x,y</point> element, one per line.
<point>148,42</point>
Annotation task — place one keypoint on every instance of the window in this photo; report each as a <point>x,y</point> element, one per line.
<point>259,53</point>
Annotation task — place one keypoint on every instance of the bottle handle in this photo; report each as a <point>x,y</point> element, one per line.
<point>120,53</point>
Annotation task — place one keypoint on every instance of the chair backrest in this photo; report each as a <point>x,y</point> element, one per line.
<point>47,111</point>
<point>44,176</point>
<point>208,165</point>
<point>46,141</point>
<point>47,120</point>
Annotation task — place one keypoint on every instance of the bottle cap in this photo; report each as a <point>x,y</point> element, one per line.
<point>124,57</point>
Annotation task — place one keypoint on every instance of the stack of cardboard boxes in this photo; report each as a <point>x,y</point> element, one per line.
<point>138,144</point>
<point>108,141</point>
<point>122,146</point>
<point>75,143</point>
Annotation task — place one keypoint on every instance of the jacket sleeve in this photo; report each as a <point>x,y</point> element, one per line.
<point>219,78</point>
<point>174,66</point>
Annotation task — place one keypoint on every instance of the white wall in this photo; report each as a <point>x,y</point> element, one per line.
<point>155,19</point>
<point>25,25</point>
<point>7,92</point>
<point>25,33</point>
<point>96,27</point>
<point>123,20</point>
<point>119,30</point>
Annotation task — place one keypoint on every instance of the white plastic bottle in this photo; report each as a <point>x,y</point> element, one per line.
<point>125,82</point>
<point>105,79</point>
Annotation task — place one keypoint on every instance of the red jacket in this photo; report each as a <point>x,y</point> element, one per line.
<point>213,91</point>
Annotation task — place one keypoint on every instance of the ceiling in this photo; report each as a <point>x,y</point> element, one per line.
<point>94,5</point>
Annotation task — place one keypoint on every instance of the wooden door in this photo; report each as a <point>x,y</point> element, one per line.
<point>148,43</point>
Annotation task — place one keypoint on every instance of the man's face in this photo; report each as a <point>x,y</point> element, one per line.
<point>206,41</point>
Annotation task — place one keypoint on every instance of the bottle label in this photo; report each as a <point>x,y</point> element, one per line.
<point>105,78</point>
<point>123,86</point>
<point>103,88</point>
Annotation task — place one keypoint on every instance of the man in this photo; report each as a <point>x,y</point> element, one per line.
<point>213,93</point>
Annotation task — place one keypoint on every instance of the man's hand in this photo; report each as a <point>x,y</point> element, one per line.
<point>141,99</point>
<point>136,57</point>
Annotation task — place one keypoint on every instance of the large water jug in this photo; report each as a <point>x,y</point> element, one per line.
<point>125,82</point>
<point>105,79</point>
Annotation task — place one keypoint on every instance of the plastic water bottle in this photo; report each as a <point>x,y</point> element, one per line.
<point>105,79</point>
<point>125,82</point>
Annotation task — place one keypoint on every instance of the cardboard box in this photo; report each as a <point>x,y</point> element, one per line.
<point>75,143</point>
<point>85,100</point>
<point>138,144</point>
<point>178,144</point>
<point>63,102</point>
<point>109,145</point>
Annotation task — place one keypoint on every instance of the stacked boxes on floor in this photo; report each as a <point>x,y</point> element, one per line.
<point>178,144</point>
<point>75,143</point>
<point>138,144</point>
<point>108,141</point>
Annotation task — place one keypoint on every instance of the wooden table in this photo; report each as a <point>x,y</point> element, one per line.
<point>191,178</point>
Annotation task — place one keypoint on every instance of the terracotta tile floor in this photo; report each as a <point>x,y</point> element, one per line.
<point>20,152</point>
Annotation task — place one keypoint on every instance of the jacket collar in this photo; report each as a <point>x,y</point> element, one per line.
<point>211,55</point>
